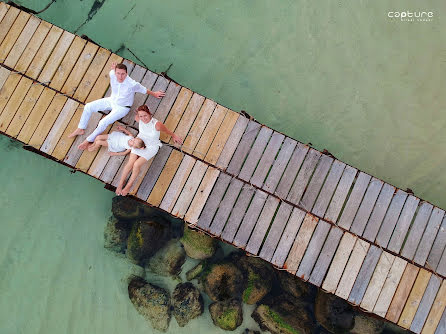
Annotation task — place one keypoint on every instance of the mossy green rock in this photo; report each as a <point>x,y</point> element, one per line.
<point>196,271</point>
<point>145,239</point>
<point>271,321</point>
<point>125,208</point>
<point>187,303</point>
<point>152,302</point>
<point>168,260</point>
<point>116,233</point>
<point>295,286</point>
<point>223,281</point>
<point>227,315</point>
<point>333,313</point>
<point>197,244</point>
<point>367,325</point>
<point>259,276</point>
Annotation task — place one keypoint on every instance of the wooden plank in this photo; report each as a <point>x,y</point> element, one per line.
<point>414,299</point>
<point>313,250</point>
<point>237,213</point>
<point>8,89</point>
<point>379,212</point>
<point>3,10</point>
<point>8,21</point>
<point>13,34</point>
<point>14,102</point>
<point>213,201</point>
<point>164,105</point>
<point>279,165</point>
<point>340,194</point>
<point>36,115</point>
<point>267,159</point>
<point>441,268</point>
<point>202,195</point>
<point>166,176</point>
<point>436,311</point>
<point>402,293</point>
<point>367,204</point>
<point>79,69</point>
<point>232,142</point>
<point>438,246</point>
<point>4,74</point>
<point>303,177</point>
<point>188,116</point>
<point>189,189</point>
<point>352,269</point>
<point>391,218</point>
<point>198,127</point>
<point>33,46</point>
<point>442,325</point>
<point>300,243</point>
<point>377,281</point>
<point>22,41</point>
<point>100,86</point>
<point>24,110</point>
<point>47,121</point>
<point>257,236</point>
<point>316,182</point>
<point>177,183</point>
<point>339,262</point>
<point>64,143</point>
<point>225,207</point>
<point>402,226</point>
<point>113,169</point>
<point>327,253</point>
<point>389,288</point>
<point>426,303</point>
<point>250,219</point>
<point>243,148</point>
<point>92,74</point>
<point>416,231</point>
<point>429,236</point>
<point>354,200</point>
<point>153,173</point>
<point>177,111</point>
<point>288,236</point>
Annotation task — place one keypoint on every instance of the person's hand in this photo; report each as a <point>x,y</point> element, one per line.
<point>120,128</point>
<point>177,139</point>
<point>113,65</point>
<point>158,94</point>
<point>111,153</point>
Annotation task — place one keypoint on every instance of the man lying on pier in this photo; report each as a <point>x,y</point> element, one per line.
<point>123,89</point>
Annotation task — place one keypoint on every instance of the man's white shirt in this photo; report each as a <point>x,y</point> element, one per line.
<point>123,93</point>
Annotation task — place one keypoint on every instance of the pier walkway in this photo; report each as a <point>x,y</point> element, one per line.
<point>347,232</point>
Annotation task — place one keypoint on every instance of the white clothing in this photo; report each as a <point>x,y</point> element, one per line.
<point>122,93</point>
<point>151,137</point>
<point>118,141</point>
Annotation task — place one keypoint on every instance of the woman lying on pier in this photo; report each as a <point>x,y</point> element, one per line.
<point>149,131</point>
<point>118,142</point>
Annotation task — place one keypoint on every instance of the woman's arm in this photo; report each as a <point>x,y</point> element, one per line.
<point>123,129</point>
<point>136,117</point>
<point>161,127</point>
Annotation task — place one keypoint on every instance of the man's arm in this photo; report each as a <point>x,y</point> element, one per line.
<point>158,94</point>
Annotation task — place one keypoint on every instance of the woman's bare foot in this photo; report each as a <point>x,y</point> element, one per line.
<point>125,191</point>
<point>118,191</point>
<point>77,132</point>
<point>84,145</point>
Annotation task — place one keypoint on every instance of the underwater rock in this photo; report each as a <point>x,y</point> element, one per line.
<point>152,302</point>
<point>367,325</point>
<point>227,315</point>
<point>295,286</point>
<point>187,303</point>
<point>197,244</point>
<point>333,313</point>
<point>125,208</point>
<point>250,331</point>
<point>145,239</point>
<point>196,271</point>
<point>116,233</point>
<point>223,281</point>
<point>168,260</point>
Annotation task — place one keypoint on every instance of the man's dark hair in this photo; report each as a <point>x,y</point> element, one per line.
<point>121,67</point>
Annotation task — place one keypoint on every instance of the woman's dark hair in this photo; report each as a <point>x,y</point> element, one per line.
<point>122,67</point>
<point>144,108</point>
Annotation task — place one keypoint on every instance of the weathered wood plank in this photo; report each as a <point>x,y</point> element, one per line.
<point>352,269</point>
<point>391,218</point>
<point>316,182</point>
<point>9,111</point>
<point>250,219</point>
<point>354,200</point>
<point>441,268</point>
<point>279,165</point>
<point>164,106</point>
<point>438,247</point>
<point>436,311</point>
<point>257,236</point>
<point>288,236</point>
<point>22,41</point>
<point>3,10</point>
<point>326,255</point>
<point>13,34</point>
<point>8,89</point>
<point>113,169</point>
<point>402,293</point>
<point>340,194</point>
<point>8,21</point>
<point>441,325</point>
<point>367,204</point>
<point>429,236</point>
<point>416,231</point>
<point>339,262</point>
<point>425,304</point>
<point>243,148</point>
<point>378,213</point>
<point>390,286</point>
<point>377,281</point>
<point>300,243</point>
<point>267,159</point>
<point>64,142</point>
<point>4,75</point>
<point>202,195</point>
<point>188,116</point>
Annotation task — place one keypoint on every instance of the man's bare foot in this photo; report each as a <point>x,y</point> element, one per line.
<point>91,148</point>
<point>118,191</point>
<point>125,191</point>
<point>84,145</point>
<point>77,132</point>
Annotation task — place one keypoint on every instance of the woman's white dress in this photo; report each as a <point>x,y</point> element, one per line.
<point>151,137</point>
<point>118,141</point>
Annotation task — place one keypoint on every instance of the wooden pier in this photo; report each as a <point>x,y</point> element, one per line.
<point>351,234</point>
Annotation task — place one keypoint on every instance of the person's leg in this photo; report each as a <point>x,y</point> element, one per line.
<point>98,143</point>
<point>91,107</point>
<point>125,172</point>
<point>135,172</point>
